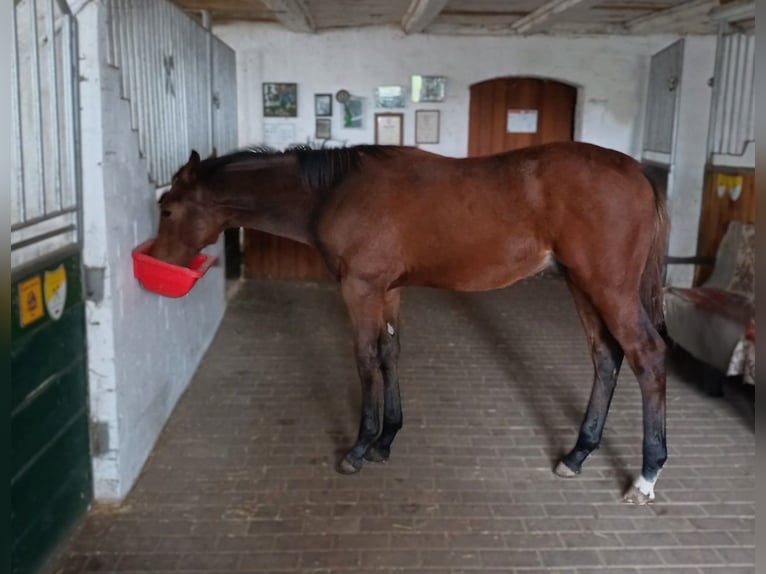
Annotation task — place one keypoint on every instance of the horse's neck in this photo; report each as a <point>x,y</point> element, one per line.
<point>273,201</point>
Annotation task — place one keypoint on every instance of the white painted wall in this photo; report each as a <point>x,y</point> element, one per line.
<point>142,348</point>
<point>611,74</point>
<point>688,174</point>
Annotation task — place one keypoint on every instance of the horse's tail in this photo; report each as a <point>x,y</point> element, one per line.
<point>652,278</point>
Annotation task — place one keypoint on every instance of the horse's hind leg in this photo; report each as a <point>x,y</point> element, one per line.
<point>644,350</point>
<point>365,305</point>
<point>607,357</point>
<point>389,359</point>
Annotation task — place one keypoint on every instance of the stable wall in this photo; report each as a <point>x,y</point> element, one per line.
<point>611,73</point>
<point>142,348</point>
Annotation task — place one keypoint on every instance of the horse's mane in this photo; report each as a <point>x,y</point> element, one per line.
<point>320,169</point>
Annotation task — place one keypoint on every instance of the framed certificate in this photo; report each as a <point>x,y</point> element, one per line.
<point>426,126</point>
<point>389,129</point>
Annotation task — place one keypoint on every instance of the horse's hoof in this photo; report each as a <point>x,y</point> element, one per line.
<point>564,471</point>
<point>375,455</point>
<point>347,466</point>
<point>635,496</point>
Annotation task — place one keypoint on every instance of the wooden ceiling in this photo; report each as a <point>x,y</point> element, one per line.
<point>479,17</point>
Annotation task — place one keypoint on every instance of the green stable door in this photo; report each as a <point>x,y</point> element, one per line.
<point>50,454</point>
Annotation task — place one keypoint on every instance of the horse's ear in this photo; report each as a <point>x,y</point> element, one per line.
<point>188,173</point>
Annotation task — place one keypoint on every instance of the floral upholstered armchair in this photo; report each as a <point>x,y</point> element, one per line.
<point>715,322</point>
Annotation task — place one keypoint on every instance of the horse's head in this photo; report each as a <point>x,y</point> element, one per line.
<point>188,222</point>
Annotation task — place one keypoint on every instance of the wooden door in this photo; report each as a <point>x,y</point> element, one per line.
<point>511,113</point>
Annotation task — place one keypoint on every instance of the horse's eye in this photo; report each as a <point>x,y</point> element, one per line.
<point>165,213</point>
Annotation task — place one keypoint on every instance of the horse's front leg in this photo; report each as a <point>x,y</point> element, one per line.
<point>365,305</point>
<point>388,344</point>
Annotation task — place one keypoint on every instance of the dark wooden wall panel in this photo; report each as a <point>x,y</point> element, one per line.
<point>269,257</point>
<point>717,212</point>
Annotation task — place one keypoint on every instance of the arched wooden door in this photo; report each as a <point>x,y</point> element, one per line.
<point>510,113</point>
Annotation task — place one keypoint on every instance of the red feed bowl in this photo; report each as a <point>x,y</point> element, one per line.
<point>164,278</point>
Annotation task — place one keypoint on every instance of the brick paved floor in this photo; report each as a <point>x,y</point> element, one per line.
<point>493,386</point>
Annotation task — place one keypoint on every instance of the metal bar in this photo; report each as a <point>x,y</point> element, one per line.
<point>109,44</point>
<point>174,97</point>
<point>123,35</point>
<point>141,76</point>
<point>54,97</point>
<point>43,236</point>
<point>742,127</point>
<point>154,80</point>
<point>140,67</point>
<point>732,123</point>
<point>715,96</point>
<point>38,107</point>
<point>18,147</point>
<point>210,71</point>
<point>724,95</point>
<point>161,100</point>
<point>131,71</point>
<point>115,31</point>
<point>184,109</point>
<point>75,126</point>
<point>70,105</point>
<point>40,219</point>
<point>751,90</point>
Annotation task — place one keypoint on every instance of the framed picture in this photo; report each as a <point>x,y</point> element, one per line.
<point>426,126</point>
<point>388,129</point>
<point>428,88</point>
<point>322,105</point>
<point>353,112</point>
<point>323,128</point>
<point>280,100</point>
<point>390,97</point>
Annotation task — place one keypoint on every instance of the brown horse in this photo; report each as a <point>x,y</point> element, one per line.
<point>386,217</point>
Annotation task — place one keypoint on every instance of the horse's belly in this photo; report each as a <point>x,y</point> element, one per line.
<point>479,270</point>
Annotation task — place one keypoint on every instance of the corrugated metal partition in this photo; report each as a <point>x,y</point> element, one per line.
<point>180,80</point>
<point>50,457</point>
<point>732,127</point>
<point>44,184</point>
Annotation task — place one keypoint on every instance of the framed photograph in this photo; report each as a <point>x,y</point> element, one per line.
<point>426,126</point>
<point>323,128</point>
<point>322,105</point>
<point>388,97</point>
<point>389,129</point>
<point>353,112</point>
<point>280,100</point>
<point>428,88</point>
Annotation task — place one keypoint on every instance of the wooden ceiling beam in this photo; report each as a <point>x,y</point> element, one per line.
<point>537,19</point>
<point>420,14</point>
<point>675,15</point>
<point>293,15</point>
<point>733,11</point>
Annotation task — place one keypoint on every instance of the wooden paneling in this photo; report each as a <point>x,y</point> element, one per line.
<point>270,257</point>
<point>491,100</point>
<point>717,212</point>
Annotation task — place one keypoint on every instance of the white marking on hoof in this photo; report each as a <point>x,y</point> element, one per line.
<point>642,491</point>
<point>390,329</point>
<point>564,471</point>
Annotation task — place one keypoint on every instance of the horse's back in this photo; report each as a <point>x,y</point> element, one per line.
<point>485,222</point>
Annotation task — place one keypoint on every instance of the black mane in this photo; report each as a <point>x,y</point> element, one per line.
<point>320,169</point>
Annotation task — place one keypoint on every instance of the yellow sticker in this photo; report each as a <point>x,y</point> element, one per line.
<point>55,292</point>
<point>30,300</point>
